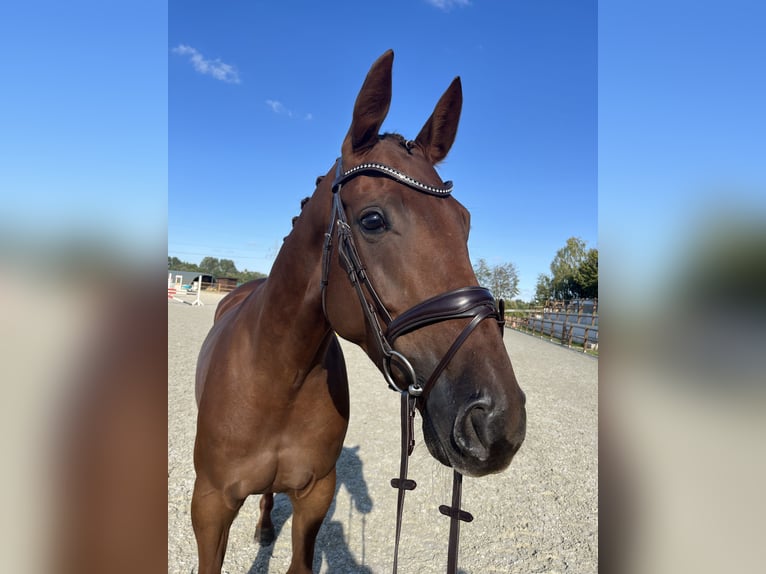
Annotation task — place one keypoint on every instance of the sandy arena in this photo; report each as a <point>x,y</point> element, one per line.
<point>540,515</point>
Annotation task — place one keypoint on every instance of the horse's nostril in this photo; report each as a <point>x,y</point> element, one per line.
<point>472,434</point>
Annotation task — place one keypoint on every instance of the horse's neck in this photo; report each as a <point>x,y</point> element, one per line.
<point>289,308</point>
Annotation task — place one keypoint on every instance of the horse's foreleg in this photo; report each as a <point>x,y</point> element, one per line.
<point>309,509</point>
<point>211,520</point>
<point>264,530</point>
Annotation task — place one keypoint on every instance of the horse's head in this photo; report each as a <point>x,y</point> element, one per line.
<point>402,238</point>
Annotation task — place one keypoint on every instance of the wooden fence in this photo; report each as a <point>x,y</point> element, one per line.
<point>573,323</point>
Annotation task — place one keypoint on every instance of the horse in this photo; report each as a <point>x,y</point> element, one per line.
<point>271,384</point>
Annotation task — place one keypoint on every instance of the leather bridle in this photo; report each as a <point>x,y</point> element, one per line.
<point>474,303</point>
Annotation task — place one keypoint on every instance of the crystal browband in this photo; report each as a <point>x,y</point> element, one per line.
<point>394,174</point>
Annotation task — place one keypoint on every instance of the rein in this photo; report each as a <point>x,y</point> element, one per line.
<point>474,303</point>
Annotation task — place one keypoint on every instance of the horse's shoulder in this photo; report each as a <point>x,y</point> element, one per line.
<point>234,300</point>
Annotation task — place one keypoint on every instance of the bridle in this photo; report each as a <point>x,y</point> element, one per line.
<point>474,303</point>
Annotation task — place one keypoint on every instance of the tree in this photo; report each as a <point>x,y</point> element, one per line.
<point>209,265</point>
<point>219,267</point>
<point>505,281</point>
<point>543,289</point>
<point>564,269</point>
<point>586,277</point>
<point>245,276</point>
<point>177,265</point>
<point>215,267</point>
<point>483,272</point>
<point>227,268</point>
<point>502,280</point>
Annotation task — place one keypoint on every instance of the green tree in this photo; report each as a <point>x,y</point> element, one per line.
<point>586,277</point>
<point>209,265</point>
<point>245,276</point>
<point>564,269</point>
<point>216,267</point>
<point>219,267</point>
<point>543,289</point>
<point>502,280</point>
<point>483,272</point>
<point>177,265</point>
<point>227,268</point>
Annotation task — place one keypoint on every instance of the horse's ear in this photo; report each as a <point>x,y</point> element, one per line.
<point>371,106</point>
<point>438,133</point>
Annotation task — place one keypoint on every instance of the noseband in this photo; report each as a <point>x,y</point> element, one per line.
<point>474,303</point>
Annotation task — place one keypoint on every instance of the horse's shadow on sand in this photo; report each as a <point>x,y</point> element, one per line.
<point>331,545</point>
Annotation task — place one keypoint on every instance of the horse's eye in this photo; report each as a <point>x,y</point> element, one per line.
<point>373,221</point>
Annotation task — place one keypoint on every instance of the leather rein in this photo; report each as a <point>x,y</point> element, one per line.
<point>474,303</point>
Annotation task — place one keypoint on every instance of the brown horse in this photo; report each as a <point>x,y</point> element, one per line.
<point>386,266</point>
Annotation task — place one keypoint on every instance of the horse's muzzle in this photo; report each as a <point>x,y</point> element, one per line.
<point>483,437</point>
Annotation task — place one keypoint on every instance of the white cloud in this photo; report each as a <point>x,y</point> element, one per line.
<point>448,5</point>
<point>279,108</point>
<point>215,68</point>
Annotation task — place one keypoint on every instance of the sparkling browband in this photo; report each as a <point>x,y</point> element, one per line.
<point>394,174</point>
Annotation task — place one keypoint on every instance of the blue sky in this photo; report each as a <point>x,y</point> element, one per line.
<point>261,94</point>
<point>105,129</point>
<point>682,133</point>
<point>83,123</point>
